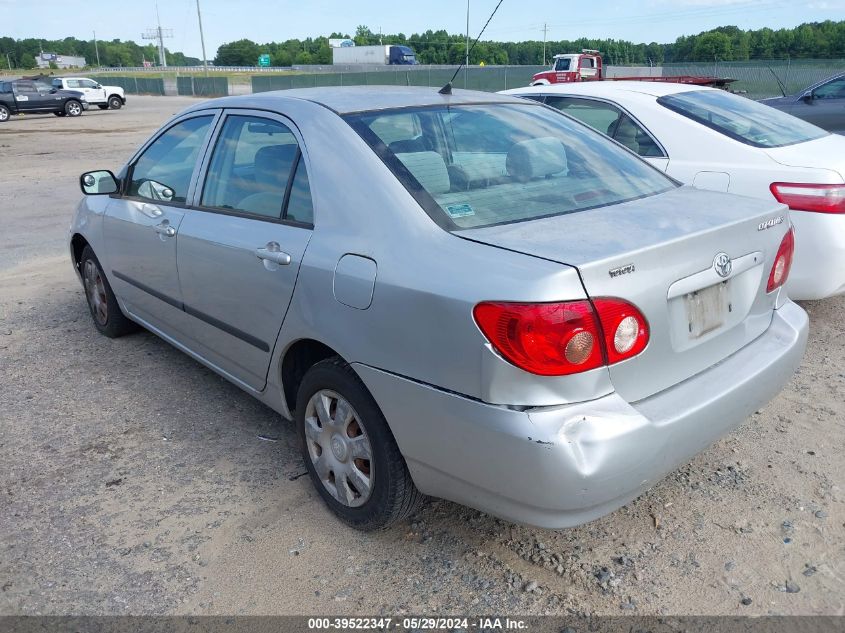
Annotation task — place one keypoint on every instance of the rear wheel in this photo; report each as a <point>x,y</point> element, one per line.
<point>108,318</point>
<point>4,114</point>
<point>349,451</point>
<point>115,103</point>
<point>73,108</point>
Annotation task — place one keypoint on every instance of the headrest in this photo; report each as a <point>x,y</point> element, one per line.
<point>429,169</point>
<point>536,158</point>
<point>273,164</point>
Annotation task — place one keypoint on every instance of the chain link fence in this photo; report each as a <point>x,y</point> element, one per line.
<point>487,78</point>
<point>202,86</point>
<point>138,85</point>
<point>759,79</point>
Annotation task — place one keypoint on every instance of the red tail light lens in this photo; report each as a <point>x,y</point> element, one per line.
<point>557,339</point>
<point>806,197</point>
<point>625,329</point>
<point>783,262</point>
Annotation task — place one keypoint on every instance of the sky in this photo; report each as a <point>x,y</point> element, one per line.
<point>272,20</point>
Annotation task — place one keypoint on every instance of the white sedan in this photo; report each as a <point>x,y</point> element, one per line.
<point>715,140</point>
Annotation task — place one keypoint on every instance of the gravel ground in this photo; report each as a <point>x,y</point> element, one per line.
<point>134,480</point>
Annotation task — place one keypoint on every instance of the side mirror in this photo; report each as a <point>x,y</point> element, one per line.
<point>808,97</point>
<point>97,86</point>
<point>98,183</point>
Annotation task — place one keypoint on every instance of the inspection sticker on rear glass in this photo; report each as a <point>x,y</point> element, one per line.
<point>459,210</point>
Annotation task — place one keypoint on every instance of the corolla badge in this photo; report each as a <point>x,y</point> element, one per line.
<point>723,265</point>
<point>770,223</point>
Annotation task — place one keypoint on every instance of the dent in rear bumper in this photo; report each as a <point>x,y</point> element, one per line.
<point>562,466</point>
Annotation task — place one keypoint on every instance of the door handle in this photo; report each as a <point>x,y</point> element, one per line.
<point>271,253</point>
<point>165,229</point>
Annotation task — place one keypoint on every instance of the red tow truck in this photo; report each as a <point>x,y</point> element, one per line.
<point>587,66</point>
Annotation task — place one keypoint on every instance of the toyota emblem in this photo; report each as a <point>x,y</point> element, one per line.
<point>723,265</point>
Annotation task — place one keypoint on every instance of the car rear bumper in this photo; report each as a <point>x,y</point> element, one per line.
<point>818,270</point>
<point>562,466</point>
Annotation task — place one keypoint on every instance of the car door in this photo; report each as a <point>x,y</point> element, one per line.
<point>826,108</point>
<point>93,92</point>
<point>618,124</point>
<point>241,245</point>
<point>140,225</point>
<point>27,96</point>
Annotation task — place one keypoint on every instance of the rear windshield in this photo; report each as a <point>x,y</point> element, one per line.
<point>742,119</point>
<point>479,165</point>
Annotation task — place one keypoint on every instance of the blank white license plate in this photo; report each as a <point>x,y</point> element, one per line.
<point>706,309</point>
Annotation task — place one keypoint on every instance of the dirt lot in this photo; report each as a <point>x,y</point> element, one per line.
<point>134,480</point>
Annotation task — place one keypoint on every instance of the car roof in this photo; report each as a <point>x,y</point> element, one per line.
<point>345,100</point>
<point>610,88</point>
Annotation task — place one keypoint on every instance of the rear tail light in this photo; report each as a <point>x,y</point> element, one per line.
<point>806,197</point>
<point>783,262</point>
<point>557,339</point>
<point>625,329</point>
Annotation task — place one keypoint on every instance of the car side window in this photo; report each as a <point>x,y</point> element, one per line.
<point>250,167</point>
<point>832,90</point>
<point>163,172</point>
<point>634,137</point>
<point>597,114</point>
<point>25,87</point>
<point>72,83</point>
<point>87,83</point>
<point>300,208</point>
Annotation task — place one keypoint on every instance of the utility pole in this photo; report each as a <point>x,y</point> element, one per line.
<point>9,61</point>
<point>202,40</point>
<point>466,62</point>
<point>545,29</point>
<point>96,50</point>
<point>159,34</point>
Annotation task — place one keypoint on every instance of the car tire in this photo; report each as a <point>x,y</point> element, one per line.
<point>115,103</point>
<point>103,106</point>
<point>381,492</point>
<point>4,114</point>
<point>73,108</point>
<point>105,311</point>
<point>59,113</point>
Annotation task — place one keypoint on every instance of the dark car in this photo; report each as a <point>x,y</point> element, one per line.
<point>822,104</point>
<point>25,96</point>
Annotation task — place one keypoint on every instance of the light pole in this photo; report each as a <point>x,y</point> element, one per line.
<point>466,61</point>
<point>96,50</point>
<point>202,40</point>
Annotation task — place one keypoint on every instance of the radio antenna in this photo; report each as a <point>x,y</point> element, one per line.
<point>447,89</point>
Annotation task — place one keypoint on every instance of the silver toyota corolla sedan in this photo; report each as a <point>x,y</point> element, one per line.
<point>468,296</point>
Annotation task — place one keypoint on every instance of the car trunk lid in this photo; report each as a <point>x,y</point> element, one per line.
<point>826,153</point>
<point>658,253</point>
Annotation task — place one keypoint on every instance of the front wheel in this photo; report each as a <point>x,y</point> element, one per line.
<point>4,114</point>
<point>115,103</point>
<point>349,451</point>
<point>108,318</point>
<point>73,108</point>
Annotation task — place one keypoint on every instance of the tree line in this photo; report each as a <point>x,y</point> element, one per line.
<point>113,53</point>
<point>814,40</point>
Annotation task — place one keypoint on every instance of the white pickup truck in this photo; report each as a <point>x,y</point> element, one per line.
<point>105,97</point>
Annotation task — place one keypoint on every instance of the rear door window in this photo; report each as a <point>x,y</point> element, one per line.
<point>251,167</point>
<point>597,114</point>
